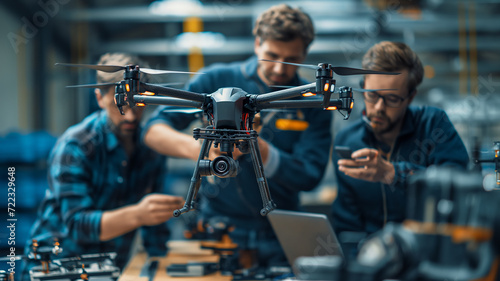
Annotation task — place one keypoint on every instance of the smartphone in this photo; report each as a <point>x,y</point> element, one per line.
<point>343,152</point>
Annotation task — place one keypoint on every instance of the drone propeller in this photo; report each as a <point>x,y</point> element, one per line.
<point>354,89</point>
<point>104,85</point>
<point>101,85</point>
<point>115,68</point>
<point>340,70</point>
<point>371,90</point>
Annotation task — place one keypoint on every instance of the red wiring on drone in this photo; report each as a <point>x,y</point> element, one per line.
<point>246,122</point>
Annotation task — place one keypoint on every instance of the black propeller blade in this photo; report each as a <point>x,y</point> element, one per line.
<point>105,68</point>
<point>157,71</point>
<point>371,90</point>
<point>340,70</point>
<point>354,89</point>
<point>102,85</point>
<point>115,68</point>
<point>310,66</point>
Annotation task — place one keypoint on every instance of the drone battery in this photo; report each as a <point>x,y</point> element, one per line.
<point>191,269</point>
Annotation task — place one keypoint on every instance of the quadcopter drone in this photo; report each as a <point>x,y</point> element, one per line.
<point>230,112</point>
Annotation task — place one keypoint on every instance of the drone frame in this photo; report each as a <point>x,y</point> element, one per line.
<point>230,112</point>
<point>223,104</point>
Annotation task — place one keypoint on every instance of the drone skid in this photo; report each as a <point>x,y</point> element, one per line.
<point>227,139</point>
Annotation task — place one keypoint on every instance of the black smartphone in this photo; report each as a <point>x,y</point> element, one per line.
<point>343,152</point>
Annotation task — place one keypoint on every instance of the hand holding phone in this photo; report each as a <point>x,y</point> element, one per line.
<point>344,152</point>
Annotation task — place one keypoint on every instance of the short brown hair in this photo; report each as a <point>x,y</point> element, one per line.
<point>116,59</point>
<point>394,56</point>
<point>284,23</point>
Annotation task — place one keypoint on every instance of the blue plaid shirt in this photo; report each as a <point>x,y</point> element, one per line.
<point>90,173</point>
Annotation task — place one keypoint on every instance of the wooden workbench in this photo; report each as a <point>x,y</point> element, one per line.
<point>179,252</point>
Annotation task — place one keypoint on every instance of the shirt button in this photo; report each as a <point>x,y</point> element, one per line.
<point>124,163</point>
<point>119,180</point>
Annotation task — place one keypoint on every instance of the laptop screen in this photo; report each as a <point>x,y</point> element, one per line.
<point>304,234</point>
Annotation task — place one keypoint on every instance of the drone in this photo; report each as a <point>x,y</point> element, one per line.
<point>230,112</point>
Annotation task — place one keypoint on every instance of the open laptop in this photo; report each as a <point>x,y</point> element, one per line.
<point>304,235</point>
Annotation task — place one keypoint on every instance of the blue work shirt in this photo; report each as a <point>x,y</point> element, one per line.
<point>303,152</point>
<point>427,138</point>
<point>90,173</point>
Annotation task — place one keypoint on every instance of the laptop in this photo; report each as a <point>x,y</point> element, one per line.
<point>304,234</point>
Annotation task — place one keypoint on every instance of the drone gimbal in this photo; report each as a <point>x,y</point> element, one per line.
<point>230,112</point>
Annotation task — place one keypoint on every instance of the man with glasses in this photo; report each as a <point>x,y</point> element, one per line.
<point>390,142</point>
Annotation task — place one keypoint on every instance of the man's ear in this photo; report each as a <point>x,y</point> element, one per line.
<point>256,45</point>
<point>99,98</point>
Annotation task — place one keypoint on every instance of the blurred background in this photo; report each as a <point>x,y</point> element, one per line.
<point>457,40</point>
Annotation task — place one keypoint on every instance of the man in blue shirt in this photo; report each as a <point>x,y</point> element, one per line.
<point>104,183</point>
<point>294,144</point>
<point>391,141</point>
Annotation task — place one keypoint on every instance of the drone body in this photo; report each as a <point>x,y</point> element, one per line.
<point>228,108</point>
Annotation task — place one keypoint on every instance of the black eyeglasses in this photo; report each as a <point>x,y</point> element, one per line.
<point>390,100</point>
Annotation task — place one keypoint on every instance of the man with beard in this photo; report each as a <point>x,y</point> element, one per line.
<point>294,144</point>
<point>104,184</point>
<point>391,141</point>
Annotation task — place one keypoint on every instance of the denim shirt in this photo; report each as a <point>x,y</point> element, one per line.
<point>90,173</point>
<point>427,138</point>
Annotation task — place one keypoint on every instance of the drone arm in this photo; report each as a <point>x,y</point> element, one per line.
<point>286,93</point>
<point>171,92</point>
<point>299,104</point>
<point>166,101</point>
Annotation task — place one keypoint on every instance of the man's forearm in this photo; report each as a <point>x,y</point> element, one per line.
<point>117,222</point>
<point>167,141</point>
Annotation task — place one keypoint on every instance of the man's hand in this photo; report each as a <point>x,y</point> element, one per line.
<point>263,147</point>
<point>366,164</point>
<point>154,209</point>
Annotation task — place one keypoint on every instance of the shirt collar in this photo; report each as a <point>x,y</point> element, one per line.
<point>408,123</point>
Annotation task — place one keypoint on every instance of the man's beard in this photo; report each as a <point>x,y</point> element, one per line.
<point>123,133</point>
<point>390,125</point>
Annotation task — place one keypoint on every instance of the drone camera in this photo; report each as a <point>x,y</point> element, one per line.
<point>222,167</point>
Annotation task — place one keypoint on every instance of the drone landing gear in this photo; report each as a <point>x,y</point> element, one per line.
<point>220,168</point>
<point>195,181</point>
<point>258,166</point>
